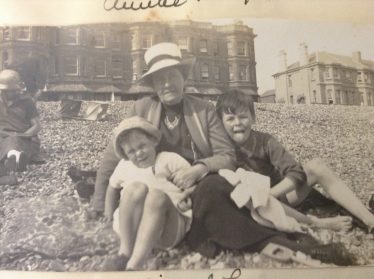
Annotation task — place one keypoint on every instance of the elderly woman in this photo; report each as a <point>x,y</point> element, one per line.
<point>191,128</point>
<point>19,124</point>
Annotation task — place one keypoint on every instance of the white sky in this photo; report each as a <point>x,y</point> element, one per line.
<point>274,35</point>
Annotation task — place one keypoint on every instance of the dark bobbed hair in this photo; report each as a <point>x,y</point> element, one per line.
<point>235,101</point>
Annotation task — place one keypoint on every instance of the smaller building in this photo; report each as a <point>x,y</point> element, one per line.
<point>268,96</point>
<point>325,78</point>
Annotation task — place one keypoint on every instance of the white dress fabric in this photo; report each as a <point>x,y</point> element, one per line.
<point>155,177</point>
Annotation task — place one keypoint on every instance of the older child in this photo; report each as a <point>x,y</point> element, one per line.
<point>152,211</point>
<point>262,153</point>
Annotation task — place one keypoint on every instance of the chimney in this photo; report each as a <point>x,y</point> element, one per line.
<point>282,58</point>
<point>303,54</point>
<point>356,56</point>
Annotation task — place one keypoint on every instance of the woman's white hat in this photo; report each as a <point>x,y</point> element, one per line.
<point>128,124</point>
<point>164,55</point>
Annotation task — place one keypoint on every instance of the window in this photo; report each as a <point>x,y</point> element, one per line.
<point>329,96</point>
<point>204,72</point>
<point>229,49</point>
<point>116,66</point>
<point>250,52</point>
<point>71,65</point>
<point>203,46</point>
<point>241,48</point>
<point>67,36</point>
<point>23,33</point>
<point>289,81</point>
<point>231,72</point>
<point>215,48</point>
<point>216,73</point>
<point>6,34</point>
<point>83,66</point>
<point>183,43</point>
<point>5,56</point>
<point>56,65</point>
<point>327,73</point>
<point>146,41</point>
<point>337,97</point>
<point>312,74</point>
<point>39,34</point>
<point>336,73</point>
<point>345,98</point>
<point>291,99</point>
<point>242,72</point>
<point>100,67</point>
<point>366,77</point>
<point>134,71</point>
<point>116,42</point>
<point>314,96</point>
<point>359,77</point>
<point>347,75</point>
<point>99,39</point>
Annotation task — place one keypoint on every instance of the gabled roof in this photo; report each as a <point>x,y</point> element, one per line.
<point>331,58</point>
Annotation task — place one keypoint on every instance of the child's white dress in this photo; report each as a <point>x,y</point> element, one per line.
<point>155,177</point>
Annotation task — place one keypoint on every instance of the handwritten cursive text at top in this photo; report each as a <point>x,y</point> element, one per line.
<point>141,4</point>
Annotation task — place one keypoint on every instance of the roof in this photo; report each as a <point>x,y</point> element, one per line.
<point>248,91</point>
<point>76,87</point>
<point>108,88</point>
<point>331,58</point>
<point>138,89</point>
<point>268,93</point>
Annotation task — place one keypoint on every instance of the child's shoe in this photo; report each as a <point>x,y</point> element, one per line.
<point>115,263</point>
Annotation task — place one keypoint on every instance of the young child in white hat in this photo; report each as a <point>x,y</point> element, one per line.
<point>153,212</point>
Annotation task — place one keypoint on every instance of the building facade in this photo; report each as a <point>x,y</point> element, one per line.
<point>105,61</point>
<point>325,78</point>
<point>27,50</point>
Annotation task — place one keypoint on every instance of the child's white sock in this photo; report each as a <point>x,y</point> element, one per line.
<point>15,153</point>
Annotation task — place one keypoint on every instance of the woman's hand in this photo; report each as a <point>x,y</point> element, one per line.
<point>185,178</point>
<point>185,202</point>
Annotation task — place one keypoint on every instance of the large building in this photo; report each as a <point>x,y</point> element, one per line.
<point>104,61</point>
<point>325,78</point>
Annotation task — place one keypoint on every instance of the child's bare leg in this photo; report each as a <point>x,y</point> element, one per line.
<point>338,223</point>
<point>159,218</point>
<point>318,172</point>
<point>130,213</point>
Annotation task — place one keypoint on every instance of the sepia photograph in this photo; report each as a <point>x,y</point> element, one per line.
<point>152,137</point>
